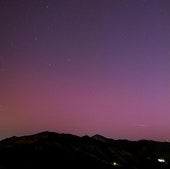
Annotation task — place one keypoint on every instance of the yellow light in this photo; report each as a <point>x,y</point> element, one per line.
<point>115,164</point>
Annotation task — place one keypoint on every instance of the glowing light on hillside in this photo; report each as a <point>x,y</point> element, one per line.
<point>161,160</point>
<point>115,164</point>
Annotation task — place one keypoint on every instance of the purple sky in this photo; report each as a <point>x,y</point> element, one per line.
<point>85,67</point>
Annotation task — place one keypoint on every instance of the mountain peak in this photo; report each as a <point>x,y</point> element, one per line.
<point>100,138</point>
<point>51,150</point>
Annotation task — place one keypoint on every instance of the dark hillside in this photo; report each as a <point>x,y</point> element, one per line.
<point>53,150</point>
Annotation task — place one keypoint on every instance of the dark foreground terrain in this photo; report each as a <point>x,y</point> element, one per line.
<point>49,150</point>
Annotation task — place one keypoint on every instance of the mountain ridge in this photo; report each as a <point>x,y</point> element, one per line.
<point>93,136</point>
<point>48,149</point>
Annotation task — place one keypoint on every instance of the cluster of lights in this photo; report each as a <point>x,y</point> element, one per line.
<point>161,160</point>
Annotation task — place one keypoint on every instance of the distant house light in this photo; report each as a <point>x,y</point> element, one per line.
<point>115,164</point>
<point>161,160</point>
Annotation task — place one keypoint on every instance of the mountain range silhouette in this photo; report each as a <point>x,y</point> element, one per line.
<point>56,150</point>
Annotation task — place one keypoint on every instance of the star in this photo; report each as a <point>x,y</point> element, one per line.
<point>35,38</point>
<point>69,60</point>
<point>11,44</point>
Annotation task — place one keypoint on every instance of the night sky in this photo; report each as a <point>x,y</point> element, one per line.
<point>85,67</point>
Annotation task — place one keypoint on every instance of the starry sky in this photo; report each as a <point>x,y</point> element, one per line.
<point>85,67</point>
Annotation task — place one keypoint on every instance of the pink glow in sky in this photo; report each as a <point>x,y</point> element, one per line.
<point>85,68</point>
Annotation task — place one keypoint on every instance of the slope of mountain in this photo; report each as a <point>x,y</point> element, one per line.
<point>54,150</point>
